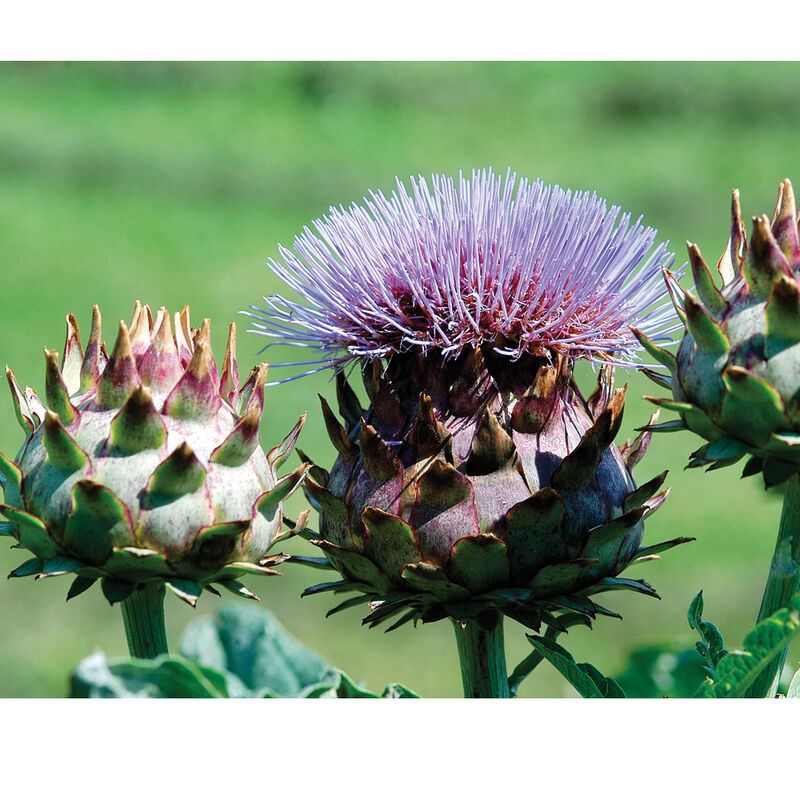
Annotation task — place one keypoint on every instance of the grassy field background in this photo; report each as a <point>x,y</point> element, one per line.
<point>173,183</point>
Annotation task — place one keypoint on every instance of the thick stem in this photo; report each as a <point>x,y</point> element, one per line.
<point>483,658</point>
<point>143,614</point>
<point>782,583</point>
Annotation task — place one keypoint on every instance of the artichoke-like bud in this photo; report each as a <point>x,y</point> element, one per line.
<point>463,500</point>
<point>144,465</point>
<point>478,480</point>
<point>735,380</point>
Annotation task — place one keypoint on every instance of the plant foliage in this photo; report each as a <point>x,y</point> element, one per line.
<point>242,652</point>
<point>587,680</point>
<point>735,671</point>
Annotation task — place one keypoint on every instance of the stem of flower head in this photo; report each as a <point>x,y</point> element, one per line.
<point>783,581</point>
<point>143,614</point>
<point>483,658</point>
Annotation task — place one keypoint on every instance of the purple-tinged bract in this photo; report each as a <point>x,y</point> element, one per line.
<point>478,479</point>
<point>145,465</point>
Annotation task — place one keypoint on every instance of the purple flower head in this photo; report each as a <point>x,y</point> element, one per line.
<point>458,263</point>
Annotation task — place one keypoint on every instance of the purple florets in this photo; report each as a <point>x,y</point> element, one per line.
<point>454,264</point>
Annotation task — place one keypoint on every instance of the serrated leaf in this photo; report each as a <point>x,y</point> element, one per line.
<point>584,678</point>
<point>712,646</point>
<point>737,670</point>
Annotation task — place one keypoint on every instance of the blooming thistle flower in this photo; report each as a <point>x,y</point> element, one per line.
<point>479,479</point>
<point>451,267</point>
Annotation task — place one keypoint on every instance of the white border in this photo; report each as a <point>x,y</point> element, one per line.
<point>399,29</point>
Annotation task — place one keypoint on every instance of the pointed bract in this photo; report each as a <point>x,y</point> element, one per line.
<point>21,408</point>
<point>782,315</point>
<point>120,376</point>
<point>349,405</point>
<point>229,377</point>
<point>241,441</point>
<point>94,360</point>
<point>765,262</point>
<point>73,357</point>
<point>138,426</point>
<point>658,353</point>
<point>738,241</point>
<point>379,461</point>
<point>99,522</point>
<point>428,436</point>
<point>703,282</point>
<point>215,543</point>
<point>336,432</point>
<point>252,392</point>
<point>706,332</point>
<point>139,330</point>
<point>278,455</point>
<point>269,503</point>
<point>784,224</point>
<point>196,395</point>
<point>56,390</point>
<point>676,293</point>
<point>62,450</point>
<point>179,474</point>
<point>492,448</point>
<point>159,365</point>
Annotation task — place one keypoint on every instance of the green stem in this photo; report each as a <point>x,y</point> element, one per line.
<point>143,614</point>
<point>782,583</point>
<point>483,657</point>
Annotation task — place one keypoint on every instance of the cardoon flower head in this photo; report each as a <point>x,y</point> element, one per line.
<point>142,469</point>
<point>451,266</point>
<point>479,480</point>
<point>735,379</point>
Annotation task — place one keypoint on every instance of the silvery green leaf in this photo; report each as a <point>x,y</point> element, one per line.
<point>166,676</point>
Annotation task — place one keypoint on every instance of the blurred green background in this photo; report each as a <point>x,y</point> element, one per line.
<point>173,183</point>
